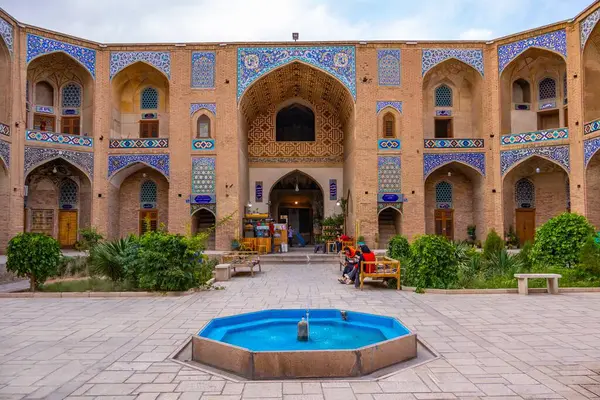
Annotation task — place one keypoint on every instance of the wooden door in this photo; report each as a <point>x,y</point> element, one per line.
<point>525,224</point>
<point>67,228</point>
<point>148,221</point>
<point>444,223</point>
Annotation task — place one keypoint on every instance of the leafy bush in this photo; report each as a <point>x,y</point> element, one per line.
<point>73,266</point>
<point>493,244</point>
<point>108,258</point>
<point>559,241</point>
<point>432,263</point>
<point>590,258</point>
<point>525,256</point>
<point>512,241</point>
<point>398,247</point>
<point>503,263</point>
<point>89,239</point>
<point>469,269</point>
<point>33,255</point>
<point>471,232</point>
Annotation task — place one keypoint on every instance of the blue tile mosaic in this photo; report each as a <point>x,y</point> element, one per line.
<point>203,69</point>
<point>254,62</point>
<point>388,64</point>
<point>203,144</point>
<point>554,41</point>
<point>537,136</point>
<point>558,154</point>
<point>5,152</point>
<point>37,46</point>
<point>591,127</point>
<point>160,162</point>
<point>36,156</point>
<point>389,174</point>
<point>203,180</point>
<point>4,129</point>
<point>212,107</point>
<point>59,138</point>
<point>119,60</point>
<point>6,31</point>
<point>432,161</point>
<point>587,26</point>
<point>396,105</point>
<point>453,143</point>
<point>144,143</point>
<point>432,57</point>
<point>590,147</point>
<point>388,144</point>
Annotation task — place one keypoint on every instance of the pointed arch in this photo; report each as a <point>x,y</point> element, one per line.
<point>558,155</point>
<point>38,46</point>
<point>434,161</point>
<point>122,168</point>
<point>36,156</point>
<point>295,171</point>
<point>158,60</point>
<point>390,207</point>
<point>473,58</point>
<point>203,208</point>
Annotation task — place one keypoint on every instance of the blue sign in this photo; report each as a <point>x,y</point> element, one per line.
<point>389,197</point>
<point>258,191</point>
<point>148,206</point>
<point>202,199</point>
<point>67,206</point>
<point>333,189</point>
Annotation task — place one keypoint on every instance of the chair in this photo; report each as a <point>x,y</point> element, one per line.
<point>247,245</point>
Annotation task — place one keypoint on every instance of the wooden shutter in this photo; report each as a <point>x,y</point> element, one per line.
<point>70,125</point>
<point>148,129</point>
<point>152,216</point>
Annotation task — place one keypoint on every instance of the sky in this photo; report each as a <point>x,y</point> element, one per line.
<point>147,21</point>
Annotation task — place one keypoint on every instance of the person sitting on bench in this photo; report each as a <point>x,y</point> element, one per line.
<point>352,260</point>
<point>365,255</point>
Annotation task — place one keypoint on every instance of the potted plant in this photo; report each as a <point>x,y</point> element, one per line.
<point>361,240</point>
<point>235,244</point>
<point>471,233</point>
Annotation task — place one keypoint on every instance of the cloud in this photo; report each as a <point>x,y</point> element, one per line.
<point>476,34</point>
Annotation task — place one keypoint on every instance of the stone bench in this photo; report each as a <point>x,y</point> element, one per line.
<point>222,272</point>
<point>551,282</point>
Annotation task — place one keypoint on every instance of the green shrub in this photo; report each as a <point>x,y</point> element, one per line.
<point>469,269</point>
<point>73,266</point>
<point>590,258</point>
<point>89,239</point>
<point>559,241</point>
<point>432,263</point>
<point>493,244</point>
<point>525,256</point>
<point>33,255</point>
<point>503,263</point>
<point>398,247</point>
<point>108,258</point>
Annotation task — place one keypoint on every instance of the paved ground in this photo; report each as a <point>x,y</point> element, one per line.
<point>493,346</point>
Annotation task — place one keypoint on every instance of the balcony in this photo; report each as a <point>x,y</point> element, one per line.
<point>139,143</point>
<point>59,138</point>
<point>452,143</point>
<point>534,137</point>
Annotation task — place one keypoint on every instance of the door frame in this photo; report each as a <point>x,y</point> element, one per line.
<point>523,211</point>
<point>60,212</point>
<point>444,211</point>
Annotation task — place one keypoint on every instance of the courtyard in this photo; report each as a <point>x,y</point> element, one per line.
<point>490,346</point>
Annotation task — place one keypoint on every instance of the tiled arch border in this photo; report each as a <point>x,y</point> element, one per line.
<point>6,31</point>
<point>38,46</point>
<point>590,148</point>
<point>556,154</point>
<point>5,152</point>
<point>555,41</point>
<point>161,60</point>
<point>396,105</point>
<point>211,107</point>
<point>433,161</point>
<point>36,156</point>
<point>432,57</point>
<point>587,26</point>
<point>159,162</point>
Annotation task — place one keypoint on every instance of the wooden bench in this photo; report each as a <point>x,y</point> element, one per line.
<point>551,282</point>
<point>242,259</point>
<point>382,267</point>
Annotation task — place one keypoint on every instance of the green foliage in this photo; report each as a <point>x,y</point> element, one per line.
<point>503,263</point>
<point>361,239</point>
<point>398,247</point>
<point>512,241</point>
<point>88,285</point>
<point>33,255</point>
<point>108,258</point>
<point>432,263</point>
<point>335,220</point>
<point>590,258</point>
<point>525,256</point>
<point>471,229</point>
<point>89,239</point>
<point>559,241</point>
<point>73,266</point>
<point>493,244</point>
<point>469,269</point>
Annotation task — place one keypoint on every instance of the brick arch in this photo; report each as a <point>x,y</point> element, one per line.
<point>553,42</point>
<point>558,155</point>
<point>120,166</point>
<point>434,161</point>
<point>38,46</point>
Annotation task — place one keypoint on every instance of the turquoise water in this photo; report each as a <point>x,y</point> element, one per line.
<point>276,330</point>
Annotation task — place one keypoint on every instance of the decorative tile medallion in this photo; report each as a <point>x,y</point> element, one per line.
<point>59,138</point>
<point>591,127</point>
<point>37,46</point>
<point>208,207</point>
<point>203,69</point>
<point>432,57</point>
<point>35,156</point>
<point>590,147</point>
<point>389,174</point>
<point>554,41</point>
<point>5,152</point>
<point>146,143</point>
<point>587,26</point>
<point>432,161</point>
<point>453,143</point>
<point>388,62</point>
<point>388,144</point>
<point>558,154</point>
<point>254,62</point>
<point>117,162</point>
<point>538,136</point>
<point>212,107</point>
<point>203,144</point>
<point>6,31</point>
<point>443,113</point>
<point>4,129</point>
<point>203,180</point>
<point>396,105</point>
<point>119,60</point>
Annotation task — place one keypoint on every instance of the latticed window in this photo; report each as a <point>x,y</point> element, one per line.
<point>68,195</point>
<point>148,195</point>
<point>443,96</point>
<point>547,89</point>
<point>149,99</point>
<point>203,130</point>
<point>443,195</point>
<point>525,194</point>
<point>71,95</point>
<point>389,130</point>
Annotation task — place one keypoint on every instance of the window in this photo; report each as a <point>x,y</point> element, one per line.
<point>565,89</point>
<point>68,195</point>
<point>389,129</point>
<point>443,96</point>
<point>148,129</point>
<point>443,195</point>
<point>525,193</point>
<point>148,195</point>
<point>443,127</point>
<point>295,123</point>
<point>149,100</point>
<point>71,95</point>
<point>203,128</point>
<point>148,221</point>
<point>42,221</point>
<point>44,94</point>
<point>42,122</point>
<point>521,91</point>
<point>70,125</point>
<point>547,89</point>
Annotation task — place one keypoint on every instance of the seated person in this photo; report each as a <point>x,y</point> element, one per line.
<point>365,255</point>
<point>352,260</point>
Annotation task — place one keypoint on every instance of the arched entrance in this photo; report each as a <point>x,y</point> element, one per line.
<point>58,201</point>
<point>592,187</point>
<point>297,199</point>
<point>202,221</point>
<point>390,225</point>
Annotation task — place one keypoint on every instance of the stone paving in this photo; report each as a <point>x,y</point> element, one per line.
<point>492,346</point>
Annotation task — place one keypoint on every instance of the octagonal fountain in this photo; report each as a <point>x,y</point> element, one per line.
<point>274,344</point>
